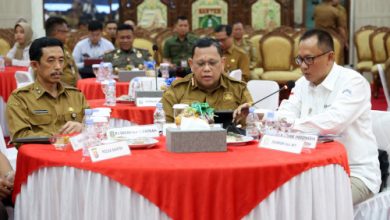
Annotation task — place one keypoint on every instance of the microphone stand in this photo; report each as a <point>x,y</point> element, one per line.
<point>155,65</point>
<point>283,88</point>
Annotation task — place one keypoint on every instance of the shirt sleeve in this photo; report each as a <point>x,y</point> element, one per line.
<point>168,100</point>
<point>78,56</point>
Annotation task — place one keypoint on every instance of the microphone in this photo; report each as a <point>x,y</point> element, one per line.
<point>155,49</point>
<point>289,85</point>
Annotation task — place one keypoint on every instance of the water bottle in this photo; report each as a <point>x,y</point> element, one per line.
<point>159,117</point>
<point>2,64</point>
<point>110,93</point>
<point>270,123</point>
<point>100,73</point>
<point>87,115</point>
<point>149,67</point>
<point>89,136</point>
<point>135,85</point>
<point>108,71</point>
<point>251,124</point>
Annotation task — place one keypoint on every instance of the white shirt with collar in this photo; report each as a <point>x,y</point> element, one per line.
<point>25,61</point>
<point>85,47</point>
<point>340,105</point>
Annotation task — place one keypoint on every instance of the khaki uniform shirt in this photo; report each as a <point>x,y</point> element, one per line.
<point>246,45</point>
<point>227,96</point>
<point>328,17</point>
<point>177,50</point>
<point>135,57</point>
<point>236,58</point>
<point>31,111</point>
<point>70,73</point>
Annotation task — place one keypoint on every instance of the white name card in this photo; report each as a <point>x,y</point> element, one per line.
<point>133,132</point>
<point>152,101</point>
<point>77,141</point>
<point>109,151</point>
<point>281,143</point>
<point>309,140</point>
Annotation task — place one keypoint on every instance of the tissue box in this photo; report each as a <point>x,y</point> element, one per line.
<point>187,141</point>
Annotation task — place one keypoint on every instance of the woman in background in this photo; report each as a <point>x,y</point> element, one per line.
<point>18,55</point>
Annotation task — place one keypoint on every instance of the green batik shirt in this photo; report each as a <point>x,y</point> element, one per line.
<point>120,59</point>
<point>177,50</point>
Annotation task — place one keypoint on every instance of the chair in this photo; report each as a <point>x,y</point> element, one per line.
<point>338,44</point>
<point>23,78</point>
<point>364,55</point>
<point>144,43</point>
<point>384,84</point>
<point>277,52</point>
<point>387,44</point>
<point>236,74</point>
<point>259,89</point>
<point>10,153</point>
<point>255,41</point>
<point>378,51</point>
<point>377,207</point>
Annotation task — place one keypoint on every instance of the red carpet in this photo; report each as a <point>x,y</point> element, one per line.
<point>380,102</point>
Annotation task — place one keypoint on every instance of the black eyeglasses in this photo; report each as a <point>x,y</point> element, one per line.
<point>309,60</point>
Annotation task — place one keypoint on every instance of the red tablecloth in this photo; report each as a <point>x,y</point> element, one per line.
<point>8,82</point>
<point>225,185</point>
<point>93,89</point>
<point>127,111</point>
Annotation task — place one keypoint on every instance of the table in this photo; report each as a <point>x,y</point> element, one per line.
<point>245,181</point>
<point>93,90</point>
<point>7,85</point>
<point>127,112</point>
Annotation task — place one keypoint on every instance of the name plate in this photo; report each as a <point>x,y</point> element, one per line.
<point>281,143</point>
<point>133,132</point>
<point>147,101</point>
<point>109,151</point>
<point>309,140</point>
<point>77,141</point>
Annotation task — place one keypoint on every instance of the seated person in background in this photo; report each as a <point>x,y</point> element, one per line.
<point>18,55</point>
<point>6,185</point>
<point>57,27</point>
<point>126,55</point>
<point>177,49</point>
<point>92,47</point>
<point>207,83</point>
<point>110,31</point>
<point>47,106</point>
<point>235,58</point>
<point>331,99</point>
<point>244,43</point>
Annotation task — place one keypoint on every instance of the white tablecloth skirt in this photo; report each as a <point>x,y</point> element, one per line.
<point>64,193</point>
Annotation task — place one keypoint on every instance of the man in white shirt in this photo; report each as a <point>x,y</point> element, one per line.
<point>331,99</point>
<point>92,47</point>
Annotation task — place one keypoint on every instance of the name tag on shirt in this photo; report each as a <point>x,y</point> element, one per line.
<point>40,112</point>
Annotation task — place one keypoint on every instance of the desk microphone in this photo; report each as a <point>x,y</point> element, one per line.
<point>155,49</point>
<point>289,85</point>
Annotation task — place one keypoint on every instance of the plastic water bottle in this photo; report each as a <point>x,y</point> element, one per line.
<point>100,73</point>
<point>89,136</point>
<point>150,68</point>
<point>135,85</point>
<point>159,117</point>
<point>110,93</point>
<point>2,64</point>
<point>251,124</point>
<point>108,71</point>
<point>270,123</point>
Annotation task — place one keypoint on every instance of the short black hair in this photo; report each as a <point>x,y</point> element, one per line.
<point>224,28</point>
<point>111,22</point>
<point>181,17</point>
<point>95,26</point>
<point>35,51</point>
<point>206,42</point>
<point>122,27</point>
<point>52,23</point>
<point>325,40</point>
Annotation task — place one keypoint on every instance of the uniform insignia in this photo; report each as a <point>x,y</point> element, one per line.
<point>73,115</point>
<point>227,96</point>
<point>139,54</point>
<point>128,59</point>
<point>70,109</point>
<point>232,60</point>
<point>116,56</point>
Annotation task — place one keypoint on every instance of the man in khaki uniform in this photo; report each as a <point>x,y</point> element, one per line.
<point>47,106</point>
<point>207,83</point>
<point>57,27</point>
<point>235,58</point>
<point>126,55</point>
<point>244,43</point>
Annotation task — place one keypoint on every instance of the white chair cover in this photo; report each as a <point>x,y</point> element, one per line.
<point>384,84</point>
<point>237,74</point>
<point>259,89</point>
<point>23,78</point>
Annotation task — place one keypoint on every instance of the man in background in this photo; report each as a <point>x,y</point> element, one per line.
<point>244,43</point>
<point>235,58</point>
<point>110,31</point>
<point>57,27</point>
<point>93,47</point>
<point>177,49</point>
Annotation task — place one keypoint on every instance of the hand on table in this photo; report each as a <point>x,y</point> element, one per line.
<point>6,186</point>
<point>71,127</point>
<point>241,112</point>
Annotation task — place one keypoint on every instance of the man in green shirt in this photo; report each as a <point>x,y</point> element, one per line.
<point>177,49</point>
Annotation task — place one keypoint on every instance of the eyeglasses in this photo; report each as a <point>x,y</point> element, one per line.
<point>309,60</point>
<point>210,63</point>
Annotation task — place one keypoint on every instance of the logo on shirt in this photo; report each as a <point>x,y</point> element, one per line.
<point>227,96</point>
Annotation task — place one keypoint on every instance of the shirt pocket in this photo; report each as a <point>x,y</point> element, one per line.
<point>40,119</point>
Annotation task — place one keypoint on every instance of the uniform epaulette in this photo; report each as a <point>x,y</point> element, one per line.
<point>66,86</point>
<point>24,88</point>
<point>182,80</point>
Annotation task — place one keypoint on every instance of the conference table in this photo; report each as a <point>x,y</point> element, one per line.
<point>7,85</point>
<point>93,89</point>
<point>246,182</point>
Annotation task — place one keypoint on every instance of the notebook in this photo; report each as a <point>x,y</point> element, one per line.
<point>91,61</point>
<point>128,75</point>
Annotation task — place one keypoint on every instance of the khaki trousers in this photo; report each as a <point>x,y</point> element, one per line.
<point>360,192</point>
